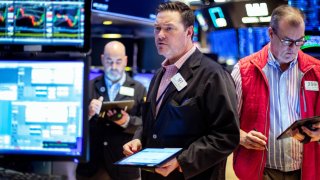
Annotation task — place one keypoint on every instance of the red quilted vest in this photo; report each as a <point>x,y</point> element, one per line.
<point>249,164</point>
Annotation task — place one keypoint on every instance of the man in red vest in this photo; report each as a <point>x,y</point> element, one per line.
<point>277,86</point>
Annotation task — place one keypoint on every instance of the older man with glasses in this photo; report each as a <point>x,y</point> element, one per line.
<point>277,86</point>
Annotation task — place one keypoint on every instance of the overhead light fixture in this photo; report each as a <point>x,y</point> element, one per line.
<point>257,13</point>
<point>250,20</point>
<point>265,19</point>
<point>107,23</point>
<point>111,36</point>
<point>257,9</point>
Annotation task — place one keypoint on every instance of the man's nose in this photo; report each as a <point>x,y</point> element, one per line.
<point>114,66</point>
<point>161,35</point>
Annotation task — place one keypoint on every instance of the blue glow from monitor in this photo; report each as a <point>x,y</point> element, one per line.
<point>144,79</point>
<point>311,9</point>
<point>41,108</point>
<point>224,43</point>
<point>252,39</point>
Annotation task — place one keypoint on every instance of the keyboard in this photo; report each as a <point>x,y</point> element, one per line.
<point>16,175</point>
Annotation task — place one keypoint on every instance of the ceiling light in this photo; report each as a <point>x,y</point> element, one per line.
<point>111,36</point>
<point>107,22</point>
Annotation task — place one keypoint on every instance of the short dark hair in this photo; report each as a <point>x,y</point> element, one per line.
<point>286,11</point>
<point>186,13</point>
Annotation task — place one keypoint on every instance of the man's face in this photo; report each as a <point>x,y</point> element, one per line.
<point>283,52</point>
<point>114,66</point>
<point>171,37</point>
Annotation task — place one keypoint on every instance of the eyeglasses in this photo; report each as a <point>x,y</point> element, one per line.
<point>289,42</point>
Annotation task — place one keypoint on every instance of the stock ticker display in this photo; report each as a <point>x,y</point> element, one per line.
<point>42,22</point>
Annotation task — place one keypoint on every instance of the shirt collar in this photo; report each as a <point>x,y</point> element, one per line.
<point>120,82</point>
<point>181,61</point>
<point>273,62</point>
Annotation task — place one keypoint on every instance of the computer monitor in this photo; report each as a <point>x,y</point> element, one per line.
<point>45,26</point>
<point>224,44</point>
<point>252,39</point>
<point>137,11</point>
<point>43,109</point>
<point>312,46</point>
<point>311,9</point>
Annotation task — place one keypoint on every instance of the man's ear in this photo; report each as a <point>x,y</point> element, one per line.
<point>125,60</point>
<point>190,31</point>
<point>101,58</point>
<point>270,32</point>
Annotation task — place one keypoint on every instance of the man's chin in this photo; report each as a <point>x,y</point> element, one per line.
<point>114,79</point>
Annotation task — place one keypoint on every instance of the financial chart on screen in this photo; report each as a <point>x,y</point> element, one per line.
<point>42,22</point>
<point>41,108</point>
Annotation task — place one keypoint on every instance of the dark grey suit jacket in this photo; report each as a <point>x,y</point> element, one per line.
<point>107,138</point>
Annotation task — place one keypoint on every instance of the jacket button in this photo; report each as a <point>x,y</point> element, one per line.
<point>154,136</point>
<point>105,143</point>
<point>107,124</point>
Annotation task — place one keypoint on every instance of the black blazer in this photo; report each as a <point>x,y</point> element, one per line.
<point>107,138</point>
<point>201,118</point>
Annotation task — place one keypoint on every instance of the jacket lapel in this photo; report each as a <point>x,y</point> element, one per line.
<point>102,90</point>
<point>154,90</point>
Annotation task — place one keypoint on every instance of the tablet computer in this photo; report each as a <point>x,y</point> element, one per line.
<point>117,106</point>
<point>124,105</point>
<point>150,157</point>
<point>301,122</point>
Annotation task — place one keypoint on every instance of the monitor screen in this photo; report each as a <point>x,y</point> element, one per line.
<point>127,10</point>
<point>252,39</point>
<point>224,43</point>
<point>43,109</point>
<point>44,26</point>
<point>312,46</point>
<point>313,41</point>
<point>237,14</point>
<point>311,9</point>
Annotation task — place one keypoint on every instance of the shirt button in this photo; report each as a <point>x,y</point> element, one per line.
<point>107,124</point>
<point>105,143</point>
<point>154,136</point>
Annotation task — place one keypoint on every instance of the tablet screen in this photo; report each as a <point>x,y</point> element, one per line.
<point>150,157</point>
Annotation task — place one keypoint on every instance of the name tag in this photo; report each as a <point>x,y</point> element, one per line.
<point>311,85</point>
<point>178,81</point>
<point>127,91</point>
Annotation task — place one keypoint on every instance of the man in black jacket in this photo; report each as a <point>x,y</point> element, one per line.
<point>191,104</point>
<point>107,137</point>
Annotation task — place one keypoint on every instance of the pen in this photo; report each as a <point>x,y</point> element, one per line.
<point>265,146</point>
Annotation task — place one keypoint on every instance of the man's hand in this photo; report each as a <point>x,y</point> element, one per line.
<point>315,135</point>
<point>168,167</point>
<point>253,140</point>
<point>95,106</point>
<point>125,116</point>
<point>132,147</point>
